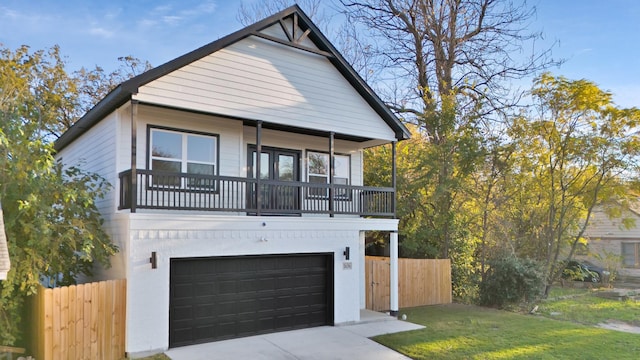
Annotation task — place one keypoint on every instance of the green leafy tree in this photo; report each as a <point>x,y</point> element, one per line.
<point>93,85</point>
<point>577,151</point>
<point>51,220</point>
<point>449,60</point>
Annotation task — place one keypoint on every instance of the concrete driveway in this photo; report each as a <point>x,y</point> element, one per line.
<point>327,342</point>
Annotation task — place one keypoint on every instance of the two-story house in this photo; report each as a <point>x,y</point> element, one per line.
<point>238,202</point>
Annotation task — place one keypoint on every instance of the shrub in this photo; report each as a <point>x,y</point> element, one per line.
<point>511,280</point>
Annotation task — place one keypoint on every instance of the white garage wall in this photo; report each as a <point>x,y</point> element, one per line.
<point>206,236</point>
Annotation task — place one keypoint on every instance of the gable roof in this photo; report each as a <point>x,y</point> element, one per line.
<point>123,92</point>
<point>5,264</point>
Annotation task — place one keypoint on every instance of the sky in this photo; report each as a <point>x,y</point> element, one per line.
<point>598,39</point>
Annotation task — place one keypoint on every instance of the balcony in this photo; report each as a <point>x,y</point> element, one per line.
<point>181,191</point>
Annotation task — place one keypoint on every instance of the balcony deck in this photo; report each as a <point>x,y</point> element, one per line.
<point>180,191</point>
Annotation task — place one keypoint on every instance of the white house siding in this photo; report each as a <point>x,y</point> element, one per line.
<point>94,152</point>
<point>207,236</point>
<point>123,148</point>
<point>117,226</point>
<point>259,79</point>
<point>229,131</point>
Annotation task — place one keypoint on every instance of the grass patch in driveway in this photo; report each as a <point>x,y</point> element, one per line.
<point>471,332</point>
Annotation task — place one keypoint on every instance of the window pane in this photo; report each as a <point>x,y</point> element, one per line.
<point>285,167</point>
<point>169,167</point>
<point>165,166</point>
<point>318,163</point>
<point>201,182</point>
<point>200,169</point>
<point>264,166</point>
<point>341,166</point>
<point>200,148</point>
<point>166,144</point>
<point>318,191</point>
<point>340,181</point>
<point>629,254</point>
<point>317,179</point>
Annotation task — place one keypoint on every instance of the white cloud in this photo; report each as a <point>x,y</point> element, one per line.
<point>161,9</point>
<point>101,32</point>
<point>172,19</point>
<point>8,13</point>
<point>208,7</point>
<point>168,15</point>
<point>147,23</point>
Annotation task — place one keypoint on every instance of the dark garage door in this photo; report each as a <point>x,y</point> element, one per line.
<point>227,297</point>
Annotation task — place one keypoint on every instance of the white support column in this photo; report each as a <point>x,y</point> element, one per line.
<point>363,277</point>
<point>393,274</point>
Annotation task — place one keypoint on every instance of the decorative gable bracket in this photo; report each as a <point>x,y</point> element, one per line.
<point>295,39</point>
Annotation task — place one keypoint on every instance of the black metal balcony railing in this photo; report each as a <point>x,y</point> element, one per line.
<point>162,190</point>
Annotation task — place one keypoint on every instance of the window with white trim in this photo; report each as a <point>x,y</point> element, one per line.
<point>318,172</point>
<point>631,254</point>
<point>173,152</point>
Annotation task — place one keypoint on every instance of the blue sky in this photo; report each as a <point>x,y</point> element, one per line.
<point>599,39</point>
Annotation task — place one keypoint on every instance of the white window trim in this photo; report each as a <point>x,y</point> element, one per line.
<point>328,169</point>
<point>184,160</point>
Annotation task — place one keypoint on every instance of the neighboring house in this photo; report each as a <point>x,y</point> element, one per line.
<point>209,249</point>
<point>5,264</point>
<point>609,237</point>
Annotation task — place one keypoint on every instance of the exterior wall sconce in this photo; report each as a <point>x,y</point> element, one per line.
<point>153,260</point>
<point>346,253</point>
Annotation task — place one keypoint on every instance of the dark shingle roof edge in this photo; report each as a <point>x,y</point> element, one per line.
<point>122,93</point>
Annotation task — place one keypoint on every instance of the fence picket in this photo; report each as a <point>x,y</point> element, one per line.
<point>420,282</point>
<point>79,322</point>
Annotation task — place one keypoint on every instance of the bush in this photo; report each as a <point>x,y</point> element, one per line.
<point>511,280</point>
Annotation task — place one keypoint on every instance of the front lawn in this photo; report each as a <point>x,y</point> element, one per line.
<point>585,308</point>
<point>471,332</point>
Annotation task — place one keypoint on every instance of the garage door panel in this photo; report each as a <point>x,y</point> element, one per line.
<point>226,297</point>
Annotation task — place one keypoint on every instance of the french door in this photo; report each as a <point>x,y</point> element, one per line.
<point>280,171</point>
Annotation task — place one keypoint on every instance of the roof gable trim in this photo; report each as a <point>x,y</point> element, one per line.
<point>310,33</point>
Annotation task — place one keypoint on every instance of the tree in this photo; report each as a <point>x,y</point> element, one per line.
<point>451,62</point>
<point>52,224</point>
<point>93,85</point>
<point>579,151</point>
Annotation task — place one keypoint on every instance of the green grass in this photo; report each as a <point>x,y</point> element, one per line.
<point>470,332</point>
<point>557,292</point>
<point>591,310</point>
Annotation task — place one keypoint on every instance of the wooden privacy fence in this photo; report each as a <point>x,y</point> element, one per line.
<point>79,322</point>
<point>420,282</point>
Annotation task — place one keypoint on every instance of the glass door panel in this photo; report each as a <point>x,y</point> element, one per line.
<point>277,168</point>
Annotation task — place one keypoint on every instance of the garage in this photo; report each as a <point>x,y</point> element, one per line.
<point>228,297</point>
